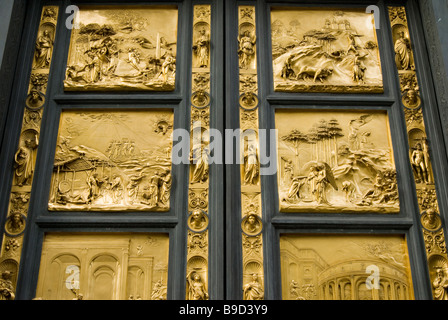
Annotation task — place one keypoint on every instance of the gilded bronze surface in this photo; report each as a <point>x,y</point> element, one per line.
<point>123,48</point>
<point>113,161</point>
<point>322,50</point>
<point>198,219</point>
<point>419,155</point>
<point>251,211</point>
<point>335,161</point>
<point>25,157</point>
<point>337,267</point>
<point>316,172</point>
<point>103,267</point>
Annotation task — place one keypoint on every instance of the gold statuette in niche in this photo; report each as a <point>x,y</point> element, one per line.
<point>123,48</point>
<point>335,161</point>
<point>345,267</point>
<point>103,267</point>
<point>325,51</point>
<point>113,161</point>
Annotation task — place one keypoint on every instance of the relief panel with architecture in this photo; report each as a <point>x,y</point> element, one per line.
<point>335,161</point>
<point>345,267</point>
<point>325,51</point>
<point>122,48</point>
<point>113,161</point>
<point>103,267</point>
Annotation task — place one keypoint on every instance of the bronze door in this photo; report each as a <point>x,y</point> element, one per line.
<point>223,150</point>
<point>346,203</point>
<point>112,196</point>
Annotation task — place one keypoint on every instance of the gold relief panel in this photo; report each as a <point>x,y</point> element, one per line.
<point>197,243</point>
<point>123,48</point>
<point>12,247</point>
<point>103,267</point>
<point>322,50</point>
<point>113,161</point>
<point>345,267</point>
<point>335,161</point>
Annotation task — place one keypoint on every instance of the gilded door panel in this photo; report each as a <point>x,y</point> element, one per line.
<point>103,267</point>
<point>123,48</point>
<point>345,267</point>
<point>322,50</point>
<point>113,161</point>
<point>336,161</point>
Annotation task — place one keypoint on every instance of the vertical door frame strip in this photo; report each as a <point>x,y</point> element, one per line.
<point>198,192</point>
<point>412,104</point>
<point>249,149</point>
<point>25,157</point>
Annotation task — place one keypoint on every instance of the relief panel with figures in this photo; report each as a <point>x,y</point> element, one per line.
<point>113,161</point>
<point>320,50</point>
<point>336,161</point>
<point>123,48</point>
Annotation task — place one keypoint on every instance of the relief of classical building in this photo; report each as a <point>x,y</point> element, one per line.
<point>103,267</point>
<point>337,267</point>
